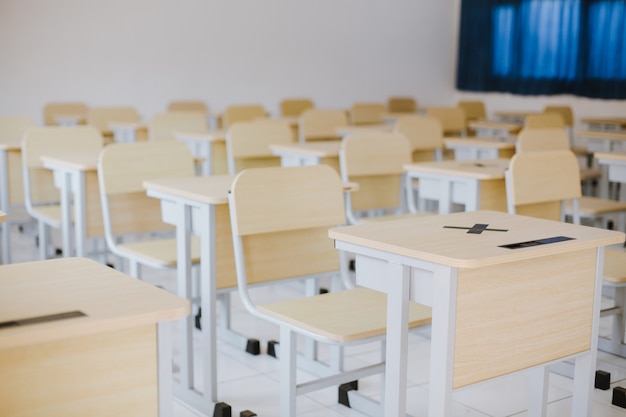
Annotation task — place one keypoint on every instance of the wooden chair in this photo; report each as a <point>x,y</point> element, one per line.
<point>293,107</point>
<point>425,136</point>
<point>320,124</point>
<point>162,126</point>
<point>452,120</point>
<point>280,219</point>
<point>41,196</point>
<point>52,110</point>
<point>568,119</point>
<point>539,184</point>
<point>12,128</point>
<point>129,214</point>
<point>100,117</point>
<point>474,109</point>
<point>362,114</point>
<point>188,105</point>
<point>401,105</point>
<point>376,162</point>
<point>242,113</point>
<point>247,143</point>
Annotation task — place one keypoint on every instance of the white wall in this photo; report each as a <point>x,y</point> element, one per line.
<point>147,52</point>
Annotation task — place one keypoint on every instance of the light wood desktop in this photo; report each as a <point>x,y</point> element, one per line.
<point>210,146</point>
<point>481,148</point>
<point>477,290</point>
<point>76,176</point>
<point>478,184</point>
<point>107,353</point>
<point>309,153</point>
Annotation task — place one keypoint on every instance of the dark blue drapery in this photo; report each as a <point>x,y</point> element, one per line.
<point>543,47</point>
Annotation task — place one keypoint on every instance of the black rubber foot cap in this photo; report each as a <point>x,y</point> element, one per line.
<point>58,251</point>
<point>343,392</point>
<point>198,322</point>
<point>352,265</point>
<point>619,397</point>
<point>247,413</point>
<point>271,348</point>
<point>603,380</point>
<point>222,410</point>
<point>323,290</point>
<point>253,346</point>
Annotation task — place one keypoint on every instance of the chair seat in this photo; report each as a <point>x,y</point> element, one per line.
<point>593,206</point>
<point>614,266</point>
<point>343,316</point>
<point>160,252</point>
<point>49,214</point>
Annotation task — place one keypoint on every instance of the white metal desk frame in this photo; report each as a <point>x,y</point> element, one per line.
<point>440,293</point>
<point>604,142</point>
<point>5,202</point>
<point>446,188</point>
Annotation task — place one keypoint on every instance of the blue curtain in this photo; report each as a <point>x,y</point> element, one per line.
<point>543,47</point>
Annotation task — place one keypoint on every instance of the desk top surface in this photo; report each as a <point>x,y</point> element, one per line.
<point>211,189</point>
<point>489,124</point>
<point>210,136</point>
<point>11,145</point>
<point>109,299</point>
<point>318,149</point>
<point>483,169</point>
<point>602,134</point>
<point>80,160</point>
<point>427,239</point>
<point>610,156</point>
<point>480,142</point>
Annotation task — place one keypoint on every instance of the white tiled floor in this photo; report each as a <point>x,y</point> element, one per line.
<point>249,382</point>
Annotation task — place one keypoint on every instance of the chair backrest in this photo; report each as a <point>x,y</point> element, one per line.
<point>425,136</point>
<point>542,139</point>
<point>367,113</point>
<point>280,219</point>
<point>50,140</point>
<point>122,168</point>
<point>544,120</point>
<point>247,143</point>
<point>565,111</point>
<point>100,117</point>
<point>320,124</point>
<point>474,109</point>
<point>401,105</point>
<point>12,129</point>
<point>376,162</point>
<point>163,126</point>
<point>293,107</point>
<point>242,113</point>
<point>452,119</point>
<point>52,110</point>
<point>188,105</point>
<point>538,182</point>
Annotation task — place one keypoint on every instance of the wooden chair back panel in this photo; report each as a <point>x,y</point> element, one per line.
<point>544,120</point>
<point>100,117</point>
<point>402,105</point>
<point>13,127</point>
<point>493,195</point>
<point>40,141</point>
<point>534,175</point>
<point>162,126</point>
<point>270,161</point>
<point>375,154</point>
<point>542,139</point>
<point>252,139</point>
<point>295,106</point>
<point>281,255</point>
<point>550,210</point>
<point>376,192</point>
<point>188,105</point>
<point>135,212</point>
<point>565,111</point>
<point>267,200</point>
<point>52,110</point>
<point>16,177</point>
<point>93,207</point>
<point>226,276</point>
<point>124,167</point>
<point>474,109</point>
<point>219,164</point>
<point>423,132</point>
<point>452,119</point>
<point>367,113</point>
<point>320,124</point>
<point>243,113</point>
<point>42,187</point>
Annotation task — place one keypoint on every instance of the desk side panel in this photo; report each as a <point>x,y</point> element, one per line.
<point>521,314</point>
<point>106,374</point>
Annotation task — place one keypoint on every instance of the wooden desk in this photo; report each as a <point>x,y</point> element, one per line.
<point>480,148</point>
<point>210,146</point>
<point>479,184</point>
<point>11,189</point>
<point>103,363</point>
<point>309,153</point>
<point>605,123</point>
<point>613,166</point>
<point>491,128</point>
<point>125,132</point>
<point>491,307</point>
<point>75,174</point>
